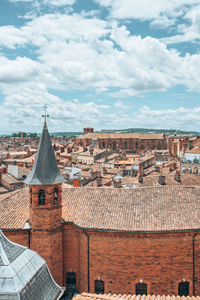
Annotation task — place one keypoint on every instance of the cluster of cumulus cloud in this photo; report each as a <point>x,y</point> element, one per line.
<point>69,51</point>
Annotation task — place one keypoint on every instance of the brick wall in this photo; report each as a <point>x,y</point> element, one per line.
<point>46,233</point>
<point>18,236</point>
<point>75,255</point>
<point>161,260</point>
<point>122,260</point>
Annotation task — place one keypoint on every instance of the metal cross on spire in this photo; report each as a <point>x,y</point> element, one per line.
<point>45,115</point>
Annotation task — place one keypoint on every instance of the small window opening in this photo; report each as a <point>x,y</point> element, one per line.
<point>141,289</point>
<point>99,287</point>
<point>183,288</point>
<point>70,280</point>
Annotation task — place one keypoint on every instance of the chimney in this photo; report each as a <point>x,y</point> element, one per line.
<point>140,179</point>
<point>75,183</point>
<point>104,171</point>
<point>99,181</point>
<point>161,180</point>
<point>117,183</point>
<point>190,145</point>
<point>91,151</point>
<point>177,176</point>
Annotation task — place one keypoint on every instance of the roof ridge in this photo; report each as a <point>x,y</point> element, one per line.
<point>134,188</point>
<point>9,251</point>
<point>10,195</point>
<point>3,256</point>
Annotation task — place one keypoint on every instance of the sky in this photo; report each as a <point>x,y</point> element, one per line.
<point>109,64</point>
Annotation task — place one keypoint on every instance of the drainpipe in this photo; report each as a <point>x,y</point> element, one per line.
<point>193,253</point>
<point>29,238</point>
<point>88,254</point>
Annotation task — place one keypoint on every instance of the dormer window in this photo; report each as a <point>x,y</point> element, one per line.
<point>55,196</point>
<point>41,197</point>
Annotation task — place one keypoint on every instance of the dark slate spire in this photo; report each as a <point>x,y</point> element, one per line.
<point>45,170</point>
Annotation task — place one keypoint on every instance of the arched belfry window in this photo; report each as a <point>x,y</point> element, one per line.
<point>55,196</point>
<point>183,288</point>
<point>41,197</point>
<point>141,289</point>
<point>99,287</point>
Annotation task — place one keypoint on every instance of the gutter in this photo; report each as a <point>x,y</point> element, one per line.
<point>29,238</point>
<point>88,254</point>
<point>193,255</point>
<point>131,231</point>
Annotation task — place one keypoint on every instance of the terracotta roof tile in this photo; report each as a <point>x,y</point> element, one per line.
<point>159,208</point>
<point>14,209</point>
<point>88,296</point>
<point>9,179</point>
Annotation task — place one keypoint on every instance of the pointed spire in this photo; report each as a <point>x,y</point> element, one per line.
<point>45,170</point>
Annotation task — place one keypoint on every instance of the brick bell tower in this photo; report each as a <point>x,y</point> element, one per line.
<point>45,186</point>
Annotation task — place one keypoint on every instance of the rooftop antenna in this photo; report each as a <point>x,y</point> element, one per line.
<point>45,115</point>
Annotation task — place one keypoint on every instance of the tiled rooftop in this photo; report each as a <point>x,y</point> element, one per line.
<point>14,209</point>
<point>9,179</point>
<point>88,296</point>
<point>158,208</point>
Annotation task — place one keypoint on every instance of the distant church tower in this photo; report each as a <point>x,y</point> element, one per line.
<point>45,184</point>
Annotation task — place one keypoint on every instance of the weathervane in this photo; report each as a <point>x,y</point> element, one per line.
<point>45,116</point>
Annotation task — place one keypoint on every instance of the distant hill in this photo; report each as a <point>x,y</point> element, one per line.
<point>133,130</point>
<point>66,134</point>
<point>165,131</point>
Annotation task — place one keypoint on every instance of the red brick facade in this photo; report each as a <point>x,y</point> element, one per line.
<point>130,144</point>
<point>46,234</point>
<point>161,260</point>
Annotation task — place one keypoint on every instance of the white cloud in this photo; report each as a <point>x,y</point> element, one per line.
<point>188,31</point>
<point>85,53</point>
<point>163,22</point>
<point>21,1</point>
<point>10,36</point>
<point>146,10</point>
<point>21,69</point>
<point>121,105</point>
<point>75,52</point>
<point>180,118</point>
<point>59,2</point>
